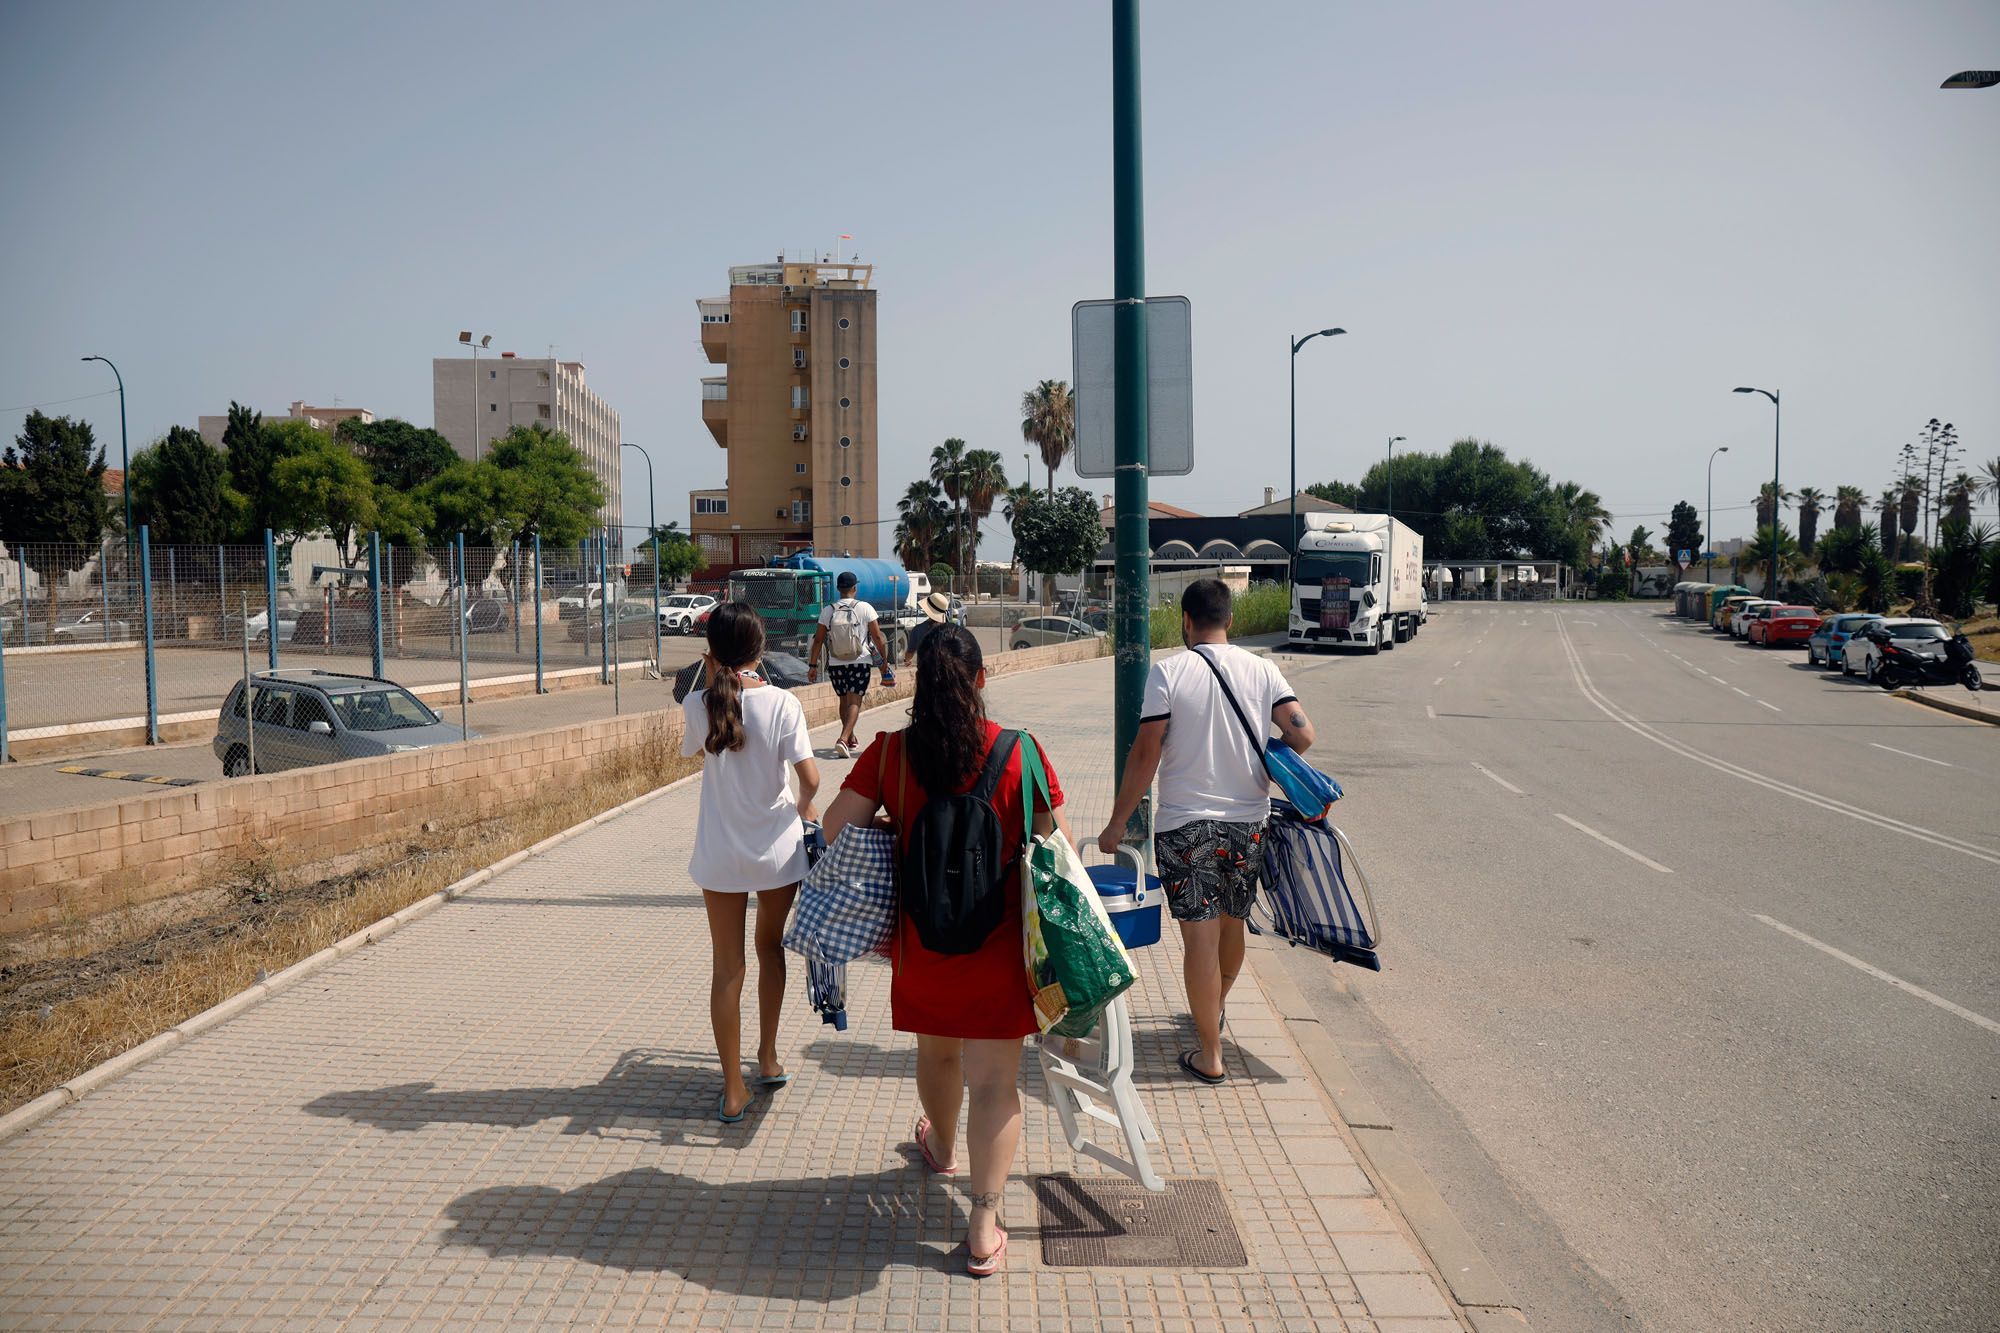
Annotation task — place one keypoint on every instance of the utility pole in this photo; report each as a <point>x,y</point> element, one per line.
<point>1131,529</point>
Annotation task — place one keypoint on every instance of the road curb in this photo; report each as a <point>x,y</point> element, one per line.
<point>1474,1283</point>
<point>1951,706</point>
<point>30,1114</point>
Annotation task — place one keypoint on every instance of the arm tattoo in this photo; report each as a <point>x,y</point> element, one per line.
<point>987,1201</point>
<point>1298,720</point>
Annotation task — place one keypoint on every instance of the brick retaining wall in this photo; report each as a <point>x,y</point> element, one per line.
<point>65,867</point>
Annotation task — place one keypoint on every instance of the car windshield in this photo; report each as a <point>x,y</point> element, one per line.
<point>1317,569</point>
<point>678,601</point>
<point>768,594</point>
<point>381,710</point>
<point>1850,626</point>
<point>1794,612</point>
<point>1920,633</point>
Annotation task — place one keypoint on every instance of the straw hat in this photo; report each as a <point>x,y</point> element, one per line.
<point>936,606</point>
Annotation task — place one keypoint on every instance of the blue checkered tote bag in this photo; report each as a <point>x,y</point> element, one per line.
<point>846,910</point>
<point>1306,898</point>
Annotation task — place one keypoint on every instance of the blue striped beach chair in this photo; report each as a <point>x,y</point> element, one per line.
<point>1306,899</point>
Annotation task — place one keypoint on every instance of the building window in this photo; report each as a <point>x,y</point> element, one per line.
<point>798,467</point>
<point>847,481</point>
<point>845,520</point>
<point>846,440</point>
<point>492,374</point>
<point>493,407</point>
<point>799,396</point>
<point>843,321</point>
<point>846,402</point>
<point>711,504</point>
<point>844,363</point>
<point>798,321</point>
<point>801,510</point>
<point>543,410</point>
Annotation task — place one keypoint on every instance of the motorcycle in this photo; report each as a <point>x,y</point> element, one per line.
<point>1899,666</point>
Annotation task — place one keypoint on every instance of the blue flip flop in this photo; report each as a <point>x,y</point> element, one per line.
<point>765,1083</point>
<point>722,1112</point>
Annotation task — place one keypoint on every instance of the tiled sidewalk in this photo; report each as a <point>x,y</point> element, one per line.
<point>503,1117</point>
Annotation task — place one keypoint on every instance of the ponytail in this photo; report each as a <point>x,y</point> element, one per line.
<point>735,642</point>
<point>947,736</point>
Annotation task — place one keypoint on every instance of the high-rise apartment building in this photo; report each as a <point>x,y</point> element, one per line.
<point>796,413</point>
<point>478,401</point>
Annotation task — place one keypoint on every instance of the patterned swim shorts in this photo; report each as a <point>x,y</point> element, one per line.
<point>1210,867</point>
<point>850,678</point>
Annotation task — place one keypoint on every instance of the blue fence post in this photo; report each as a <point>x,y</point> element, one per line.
<point>3,682</point>
<point>146,600</point>
<point>539,688</point>
<point>271,597</point>
<point>221,593</point>
<point>464,653</point>
<point>103,586</point>
<point>27,617</point>
<point>514,584</point>
<point>375,592</point>
<point>603,613</point>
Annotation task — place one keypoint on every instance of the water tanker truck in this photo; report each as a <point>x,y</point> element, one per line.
<point>792,590</point>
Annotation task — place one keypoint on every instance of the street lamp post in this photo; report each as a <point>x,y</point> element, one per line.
<point>1297,343</point>
<point>653,529</point>
<point>465,336</point>
<point>1389,603</point>
<point>1777,424</point>
<point>124,463</point>
<point>1708,538</point>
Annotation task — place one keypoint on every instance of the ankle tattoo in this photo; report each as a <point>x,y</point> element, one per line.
<point>987,1201</point>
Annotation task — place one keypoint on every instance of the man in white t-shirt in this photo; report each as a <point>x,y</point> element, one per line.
<point>847,630</point>
<point>1214,798</point>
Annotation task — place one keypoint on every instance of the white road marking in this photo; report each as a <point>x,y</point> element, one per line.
<point>1877,973</point>
<point>1773,707</point>
<point>1700,672</point>
<point>1581,675</point>
<point>1459,663</point>
<point>1745,693</point>
<point>1439,681</point>
<point>1907,755</point>
<point>1429,711</point>
<point>1720,681</point>
<point>1497,778</point>
<point>1615,846</point>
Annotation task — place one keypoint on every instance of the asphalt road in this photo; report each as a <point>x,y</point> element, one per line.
<point>1691,1005</point>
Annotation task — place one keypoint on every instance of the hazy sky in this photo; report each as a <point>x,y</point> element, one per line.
<point>1569,228</point>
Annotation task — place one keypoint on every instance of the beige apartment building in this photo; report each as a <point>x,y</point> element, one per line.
<point>319,418</point>
<point>795,412</point>
<point>478,401</point>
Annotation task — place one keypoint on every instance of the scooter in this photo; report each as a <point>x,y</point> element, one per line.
<point>1899,666</point>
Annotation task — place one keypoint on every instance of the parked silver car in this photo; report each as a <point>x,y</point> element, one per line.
<point>308,717</point>
<point>1038,630</point>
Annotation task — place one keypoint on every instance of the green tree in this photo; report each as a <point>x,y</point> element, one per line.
<point>1811,501</point>
<point>468,499</point>
<point>1910,497</point>
<point>985,481</point>
<point>1989,480</point>
<point>1336,492</point>
<point>181,491</point>
<point>1757,557</point>
<point>948,470</point>
<point>924,516</point>
<point>1956,564</point>
<point>548,488</point>
<point>1847,503</point>
<point>320,486</point>
<point>678,554</point>
<point>1841,551</point>
<point>1785,498</point>
<point>1011,502</point>
<point>398,454</point>
<point>1684,531</point>
<point>52,504</point>
<point>1048,421</point>
<point>253,448</point>
<point>1887,504</point>
<point>1056,535</point>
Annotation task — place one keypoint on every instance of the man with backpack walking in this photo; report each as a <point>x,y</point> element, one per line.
<point>1202,729</point>
<point>847,630</point>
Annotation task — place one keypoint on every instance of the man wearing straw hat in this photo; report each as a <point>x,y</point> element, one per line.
<point>936,607</point>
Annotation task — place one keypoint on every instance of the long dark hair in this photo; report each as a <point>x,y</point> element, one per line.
<point>946,741</point>
<point>735,641</point>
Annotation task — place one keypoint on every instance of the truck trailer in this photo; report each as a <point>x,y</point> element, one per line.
<point>1358,580</point>
<point>792,590</point>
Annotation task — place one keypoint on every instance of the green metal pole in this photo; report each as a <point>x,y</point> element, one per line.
<point>1131,533</point>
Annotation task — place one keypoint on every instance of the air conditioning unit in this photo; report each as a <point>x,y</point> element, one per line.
<point>798,358</point>
<point>799,434</point>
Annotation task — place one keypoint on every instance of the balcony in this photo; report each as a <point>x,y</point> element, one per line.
<point>715,407</point>
<point>714,329</point>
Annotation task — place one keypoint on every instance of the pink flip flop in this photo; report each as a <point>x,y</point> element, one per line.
<point>922,1134</point>
<point>988,1265</point>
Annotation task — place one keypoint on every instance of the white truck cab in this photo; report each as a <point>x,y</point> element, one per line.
<point>1357,580</point>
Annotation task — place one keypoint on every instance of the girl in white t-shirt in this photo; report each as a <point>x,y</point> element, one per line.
<point>748,837</point>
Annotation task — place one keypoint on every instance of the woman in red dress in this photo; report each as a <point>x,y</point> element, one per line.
<point>969,1012</point>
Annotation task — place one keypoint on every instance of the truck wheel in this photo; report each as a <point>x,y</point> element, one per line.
<point>1395,637</point>
<point>1375,643</point>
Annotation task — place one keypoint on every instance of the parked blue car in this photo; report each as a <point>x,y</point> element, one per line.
<point>1823,648</point>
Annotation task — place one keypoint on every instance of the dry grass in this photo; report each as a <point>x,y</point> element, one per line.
<point>1984,633</point>
<point>61,1016</point>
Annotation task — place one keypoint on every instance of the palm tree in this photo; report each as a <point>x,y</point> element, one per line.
<point>1989,480</point>
<point>1810,501</point>
<point>1048,421</point>
<point>984,482</point>
<point>1847,502</point>
<point>1012,501</point>
<point>948,471</point>
<point>1891,497</point>
<point>923,513</point>
<point>1582,512</point>
<point>1911,498</point>
<point>1764,504</point>
<point>1958,494</point>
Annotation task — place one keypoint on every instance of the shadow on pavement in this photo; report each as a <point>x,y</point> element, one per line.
<point>648,1094</point>
<point>811,1240</point>
<point>477,899</point>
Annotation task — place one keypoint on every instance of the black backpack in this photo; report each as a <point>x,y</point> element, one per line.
<point>952,881</point>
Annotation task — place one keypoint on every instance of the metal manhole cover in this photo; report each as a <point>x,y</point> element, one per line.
<point>1112,1222</point>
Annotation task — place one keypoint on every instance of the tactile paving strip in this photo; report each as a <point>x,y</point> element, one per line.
<point>1112,1222</point>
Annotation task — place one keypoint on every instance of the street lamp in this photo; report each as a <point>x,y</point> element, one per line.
<point>124,464</point>
<point>1297,343</point>
<point>653,529</point>
<point>1777,423</point>
<point>1973,78</point>
<point>465,336</point>
<point>1394,440</point>
<point>1708,562</point>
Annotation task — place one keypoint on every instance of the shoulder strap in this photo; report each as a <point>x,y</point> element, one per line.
<point>996,764</point>
<point>1256,741</point>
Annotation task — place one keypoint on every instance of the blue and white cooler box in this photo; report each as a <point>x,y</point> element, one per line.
<point>1135,914</point>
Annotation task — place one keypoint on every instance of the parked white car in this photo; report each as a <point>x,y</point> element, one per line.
<point>1925,638</point>
<point>679,612</point>
<point>1739,624</point>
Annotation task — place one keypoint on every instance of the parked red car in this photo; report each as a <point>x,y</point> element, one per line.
<point>1783,626</point>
